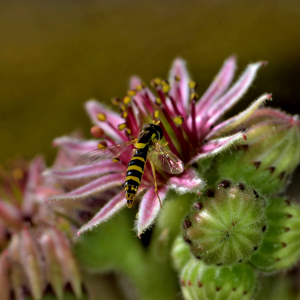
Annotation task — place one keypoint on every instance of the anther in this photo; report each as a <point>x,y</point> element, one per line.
<point>192,84</point>
<point>124,114</point>
<point>97,132</point>
<point>165,86</point>
<point>126,100</point>
<point>178,120</point>
<point>115,101</point>
<point>156,82</point>
<point>128,131</point>
<point>158,101</point>
<point>102,144</point>
<point>194,96</point>
<point>131,93</point>
<point>177,78</point>
<point>116,159</point>
<point>156,114</point>
<point>122,126</point>
<point>123,107</point>
<point>101,117</point>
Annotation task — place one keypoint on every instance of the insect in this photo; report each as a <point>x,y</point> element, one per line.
<point>147,147</point>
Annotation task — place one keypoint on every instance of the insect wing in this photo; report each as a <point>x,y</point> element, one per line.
<point>104,154</point>
<point>166,160</point>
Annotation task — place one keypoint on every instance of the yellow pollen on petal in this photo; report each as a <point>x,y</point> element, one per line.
<point>131,93</point>
<point>178,120</point>
<point>192,84</point>
<point>116,159</point>
<point>122,126</point>
<point>194,96</point>
<point>158,101</point>
<point>126,100</point>
<point>101,117</point>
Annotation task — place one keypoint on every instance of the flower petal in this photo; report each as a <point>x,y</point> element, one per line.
<point>235,121</point>
<point>96,186</point>
<point>73,145</point>
<point>10,215</point>
<point>214,147</point>
<point>149,208</point>
<point>79,172</point>
<point>114,205</point>
<point>109,126</point>
<point>189,181</point>
<point>218,86</point>
<point>234,94</point>
<point>179,69</point>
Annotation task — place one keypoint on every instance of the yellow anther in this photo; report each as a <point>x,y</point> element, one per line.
<point>177,78</point>
<point>115,101</point>
<point>126,100</point>
<point>101,145</point>
<point>155,82</point>
<point>158,101</point>
<point>131,93</point>
<point>18,174</point>
<point>178,120</point>
<point>116,159</point>
<point>165,87</point>
<point>101,117</point>
<point>194,96</point>
<point>139,87</point>
<point>192,84</point>
<point>122,126</point>
<point>128,131</point>
<point>123,107</point>
<point>156,114</point>
<point>124,114</point>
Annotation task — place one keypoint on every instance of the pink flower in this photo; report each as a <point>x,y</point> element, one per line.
<point>189,127</point>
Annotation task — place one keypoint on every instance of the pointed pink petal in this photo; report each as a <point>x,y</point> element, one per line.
<point>4,276</point>
<point>149,208</point>
<point>187,182</point>
<point>235,121</point>
<point>78,172</point>
<point>96,186</point>
<point>179,69</point>
<point>233,94</point>
<point>109,126</point>
<point>112,206</point>
<point>214,147</point>
<point>35,179</point>
<point>218,86</point>
<point>78,146</point>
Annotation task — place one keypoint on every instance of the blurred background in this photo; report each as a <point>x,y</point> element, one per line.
<point>55,55</point>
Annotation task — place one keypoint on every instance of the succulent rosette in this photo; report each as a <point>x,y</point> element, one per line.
<point>188,127</point>
<point>36,257</point>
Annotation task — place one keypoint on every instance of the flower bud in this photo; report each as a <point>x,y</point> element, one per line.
<point>180,253</point>
<point>225,224</point>
<point>281,244</point>
<point>199,281</point>
<point>269,155</point>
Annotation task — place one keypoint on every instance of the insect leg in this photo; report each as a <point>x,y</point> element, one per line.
<point>155,185</point>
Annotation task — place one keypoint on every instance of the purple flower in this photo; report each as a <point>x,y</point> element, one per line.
<point>189,127</point>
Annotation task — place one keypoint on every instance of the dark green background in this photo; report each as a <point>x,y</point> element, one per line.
<point>57,54</point>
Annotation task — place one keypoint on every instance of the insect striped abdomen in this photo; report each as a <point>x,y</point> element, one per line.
<point>134,174</point>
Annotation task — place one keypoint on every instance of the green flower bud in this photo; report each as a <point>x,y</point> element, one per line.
<point>270,154</point>
<point>199,281</point>
<point>225,225</point>
<point>281,244</point>
<point>180,253</point>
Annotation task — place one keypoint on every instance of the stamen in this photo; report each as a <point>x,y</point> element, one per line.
<point>97,132</point>
<point>115,101</point>
<point>101,117</point>
<point>116,159</point>
<point>178,120</point>
<point>177,78</point>
<point>156,82</point>
<point>165,86</point>
<point>193,115</point>
<point>156,114</point>
<point>157,101</point>
<point>132,122</point>
<point>126,100</point>
<point>131,93</point>
<point>102,145</point>
<point>128,131</point>
<point>122,107</point>
<point>140,86</point>
<point>192,84</point>
<point>124,114</point>
<point>122,126</point>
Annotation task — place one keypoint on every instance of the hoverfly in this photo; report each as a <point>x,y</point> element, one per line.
<point>147,147</point>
